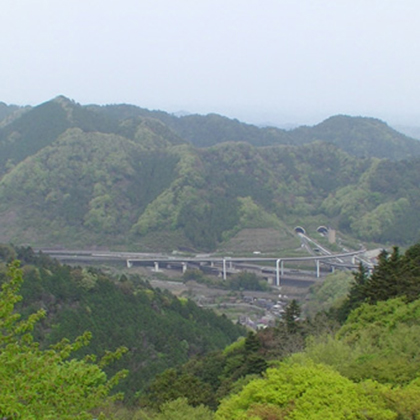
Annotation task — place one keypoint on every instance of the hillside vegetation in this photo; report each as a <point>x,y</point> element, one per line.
<point>359,360</point>
<point>84,176</point>
<point>159,330</point>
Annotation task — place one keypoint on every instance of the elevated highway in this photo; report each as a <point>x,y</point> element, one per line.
<point>224,265</point>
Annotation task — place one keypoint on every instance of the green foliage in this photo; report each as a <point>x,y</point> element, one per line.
<point>246,281</point>
<point>328,294</point>
<point>205,380</point>
<point>160,330</point>
<point>180,410</point>
<point>395,275</point>
<point>359,136</point>
<point>88,176</point>
<point>378,342</point>
<point>307,391</point>
<point>171,385</point>
<point>356,293</point>
<point>45,384</point>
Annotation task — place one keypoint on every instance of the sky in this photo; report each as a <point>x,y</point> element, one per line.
<point>265,61</point>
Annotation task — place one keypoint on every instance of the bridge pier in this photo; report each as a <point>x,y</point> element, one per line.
<point>278,271</point>
<point>224,269</point>
<point>184,267</point>
<point>129,264</point>
<point>317,269</point>
<point>156,266</point>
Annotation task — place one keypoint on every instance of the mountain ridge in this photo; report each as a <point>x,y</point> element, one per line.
<point>120,175</point>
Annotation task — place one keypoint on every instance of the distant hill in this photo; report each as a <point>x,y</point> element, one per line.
<point>43,124</point>
<point>120,175</point>
<point>408,130</point>
<point>7,110</point>
<point>362,137</point>
<point>359,136</point>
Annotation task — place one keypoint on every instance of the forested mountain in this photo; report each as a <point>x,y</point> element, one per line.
<point>363,137</point>
<point>159,330</point>
<point>119,175</point>
<point>359,136</point>
<point>6,111</point>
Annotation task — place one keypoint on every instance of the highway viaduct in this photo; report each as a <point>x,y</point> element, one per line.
<point>222,264</point>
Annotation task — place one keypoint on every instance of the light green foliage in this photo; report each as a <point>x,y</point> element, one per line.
<point>85,278</point>
<point>381,219</point>
<point>304,391</point>
<point>380,342</point>
<point>238,344</point>
<point>159,214</point>
<point>329,293</point>
<point>45,384</point>
<point>163,212</point>
<point>405,400</point>
<point>253,216</point>
<point>384,316</point>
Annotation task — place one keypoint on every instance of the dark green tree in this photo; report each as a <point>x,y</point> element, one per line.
<point>384,282</point>
<point>291,317</point>
<point>357,293</point>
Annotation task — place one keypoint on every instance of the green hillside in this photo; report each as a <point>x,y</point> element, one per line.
<point>8,111</point>
<point>358,360</point>
<point>159,330</point>
<point>122,176</point>
<point>359,136</point>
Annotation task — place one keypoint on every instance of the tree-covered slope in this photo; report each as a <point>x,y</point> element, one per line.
<point>89,189</point>
<point>363,137</point>
<point>365,368</point>
<point>8,112</point>
<point>360,136</point>
<point>89,175</point>
<point>383,206</point>
<point>159,330</point>
<point>42,125</point>
<point>94,183</point>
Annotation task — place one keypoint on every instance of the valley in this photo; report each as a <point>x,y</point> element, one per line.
<point>206,258</point>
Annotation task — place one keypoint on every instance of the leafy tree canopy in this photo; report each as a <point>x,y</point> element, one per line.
<point>45,384</point>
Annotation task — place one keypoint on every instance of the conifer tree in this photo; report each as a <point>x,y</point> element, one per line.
<point>385,280</point>
<point>291,316</point>
<point>357,293</point>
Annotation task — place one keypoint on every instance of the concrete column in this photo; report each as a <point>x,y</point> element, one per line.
<point>156,266</point>
<point>278,271</point>
<point>184,267</point>
<point>317,269</point>
<point>224,269</point>
<point>129,264</point>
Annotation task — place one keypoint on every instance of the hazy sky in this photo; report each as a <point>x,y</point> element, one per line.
<point>267,60</point>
